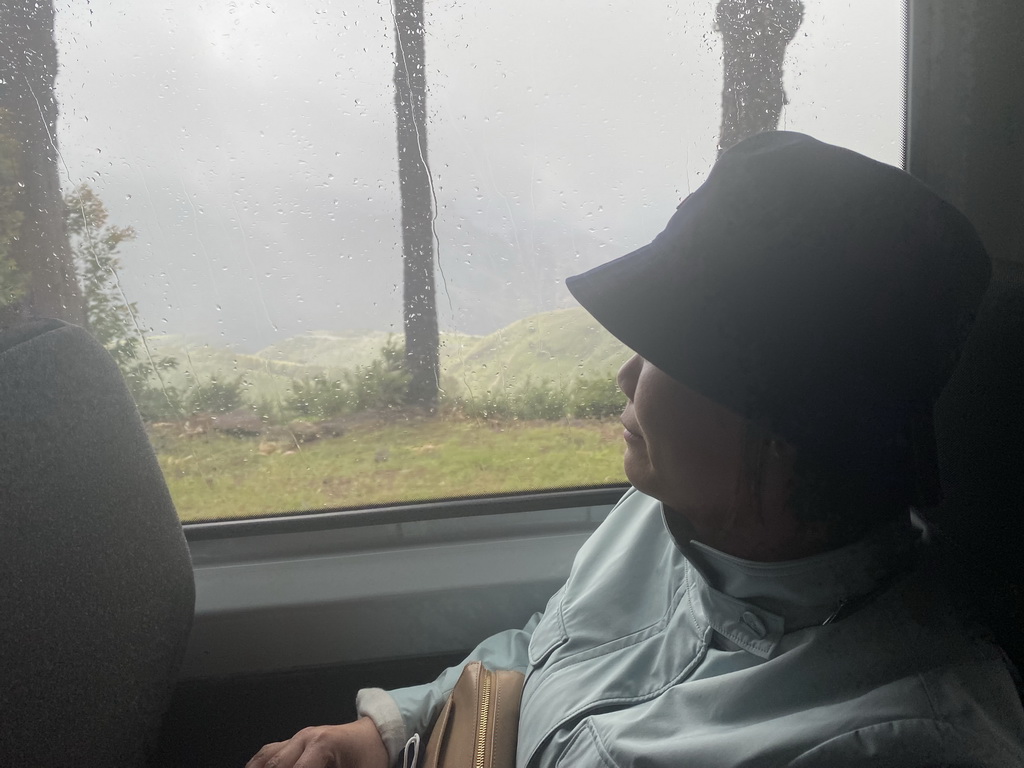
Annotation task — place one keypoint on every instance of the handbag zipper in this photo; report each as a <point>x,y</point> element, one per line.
<point>485,716</point>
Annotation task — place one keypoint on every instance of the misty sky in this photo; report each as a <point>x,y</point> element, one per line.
<point>251,145</point>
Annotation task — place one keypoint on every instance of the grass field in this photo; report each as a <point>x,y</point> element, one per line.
<point>215,476</point>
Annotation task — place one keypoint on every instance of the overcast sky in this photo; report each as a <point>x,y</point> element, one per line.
<point>251,144</point>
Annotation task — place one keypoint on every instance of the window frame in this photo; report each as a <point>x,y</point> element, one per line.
<point>351,587</point>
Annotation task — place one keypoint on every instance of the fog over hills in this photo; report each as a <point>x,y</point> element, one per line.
<point>251,145</point>
<point>243,276</point>
<point>556,347</point>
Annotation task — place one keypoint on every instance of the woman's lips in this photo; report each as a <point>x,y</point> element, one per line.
<point>631,437</point>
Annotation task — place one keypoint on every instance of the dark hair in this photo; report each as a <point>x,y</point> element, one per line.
<point>848,498</point>
<point>756,441</point>
<point>849,504</point>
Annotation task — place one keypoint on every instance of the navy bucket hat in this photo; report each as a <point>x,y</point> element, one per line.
<point>817,292</point>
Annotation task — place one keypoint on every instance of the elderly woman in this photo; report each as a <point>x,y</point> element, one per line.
<point>763,595</point>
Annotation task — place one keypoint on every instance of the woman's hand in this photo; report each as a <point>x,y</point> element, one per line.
<point>353,745</point>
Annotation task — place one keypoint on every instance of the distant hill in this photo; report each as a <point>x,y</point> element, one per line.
<point>330,352</point>
<point>557,347</point>
<point>199,360</point>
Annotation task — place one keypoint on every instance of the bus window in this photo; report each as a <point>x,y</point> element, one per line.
<point>233,203</point>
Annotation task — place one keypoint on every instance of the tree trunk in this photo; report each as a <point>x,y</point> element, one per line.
<point>420,310</point>
<point>755,34</point>
<point>28,115</point>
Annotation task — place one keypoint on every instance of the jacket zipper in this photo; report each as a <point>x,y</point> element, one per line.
<point>485,716</point>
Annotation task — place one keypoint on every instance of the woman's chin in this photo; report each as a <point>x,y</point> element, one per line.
<point>638,470</point>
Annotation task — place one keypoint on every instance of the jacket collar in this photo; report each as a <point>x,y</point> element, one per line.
<point>753,604</point>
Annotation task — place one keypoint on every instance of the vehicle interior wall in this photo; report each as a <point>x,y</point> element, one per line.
<point>293,618</point>
<point>965,115</point>
<point>966,139</point>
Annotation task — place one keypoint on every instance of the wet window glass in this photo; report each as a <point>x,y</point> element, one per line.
<point>330,258</point>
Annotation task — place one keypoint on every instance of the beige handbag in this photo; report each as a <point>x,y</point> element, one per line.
<point>478,726</point>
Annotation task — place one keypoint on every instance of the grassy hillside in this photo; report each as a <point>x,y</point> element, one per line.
<point>555,347</point>
<point>551,347</point>
<point>330,351</point>
<point>198,360</point>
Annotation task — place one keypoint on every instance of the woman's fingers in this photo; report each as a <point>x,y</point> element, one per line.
<point>267,751</point>
<point>353,745</point>
<point>285,754</point>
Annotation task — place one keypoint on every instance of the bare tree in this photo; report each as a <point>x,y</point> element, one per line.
<point>420,310</point>
<point>755,34</point>
<point>28,118</point>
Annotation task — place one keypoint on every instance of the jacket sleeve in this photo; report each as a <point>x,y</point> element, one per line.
<point>400,713</point>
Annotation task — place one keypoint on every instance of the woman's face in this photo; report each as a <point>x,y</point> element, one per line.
<point>681,448</point>
<point>687,451</point>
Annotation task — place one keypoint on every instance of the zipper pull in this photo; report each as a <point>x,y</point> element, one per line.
<point>835,614</point>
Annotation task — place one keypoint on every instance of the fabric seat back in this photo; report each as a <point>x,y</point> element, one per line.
<point>96,586</point>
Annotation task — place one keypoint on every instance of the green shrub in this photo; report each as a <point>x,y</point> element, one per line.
<point>489,405</point>
<point>271,411</point>
<point>597,398</point>
<point>214,396</point>
<point>381,385</point>
<point>531,401</point>
<point>543,401</point>
<point>318,398</point>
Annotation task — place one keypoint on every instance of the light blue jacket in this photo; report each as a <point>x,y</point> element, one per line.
<point>654,654</point>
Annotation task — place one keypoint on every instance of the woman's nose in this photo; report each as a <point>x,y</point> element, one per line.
<point>628,375</point>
